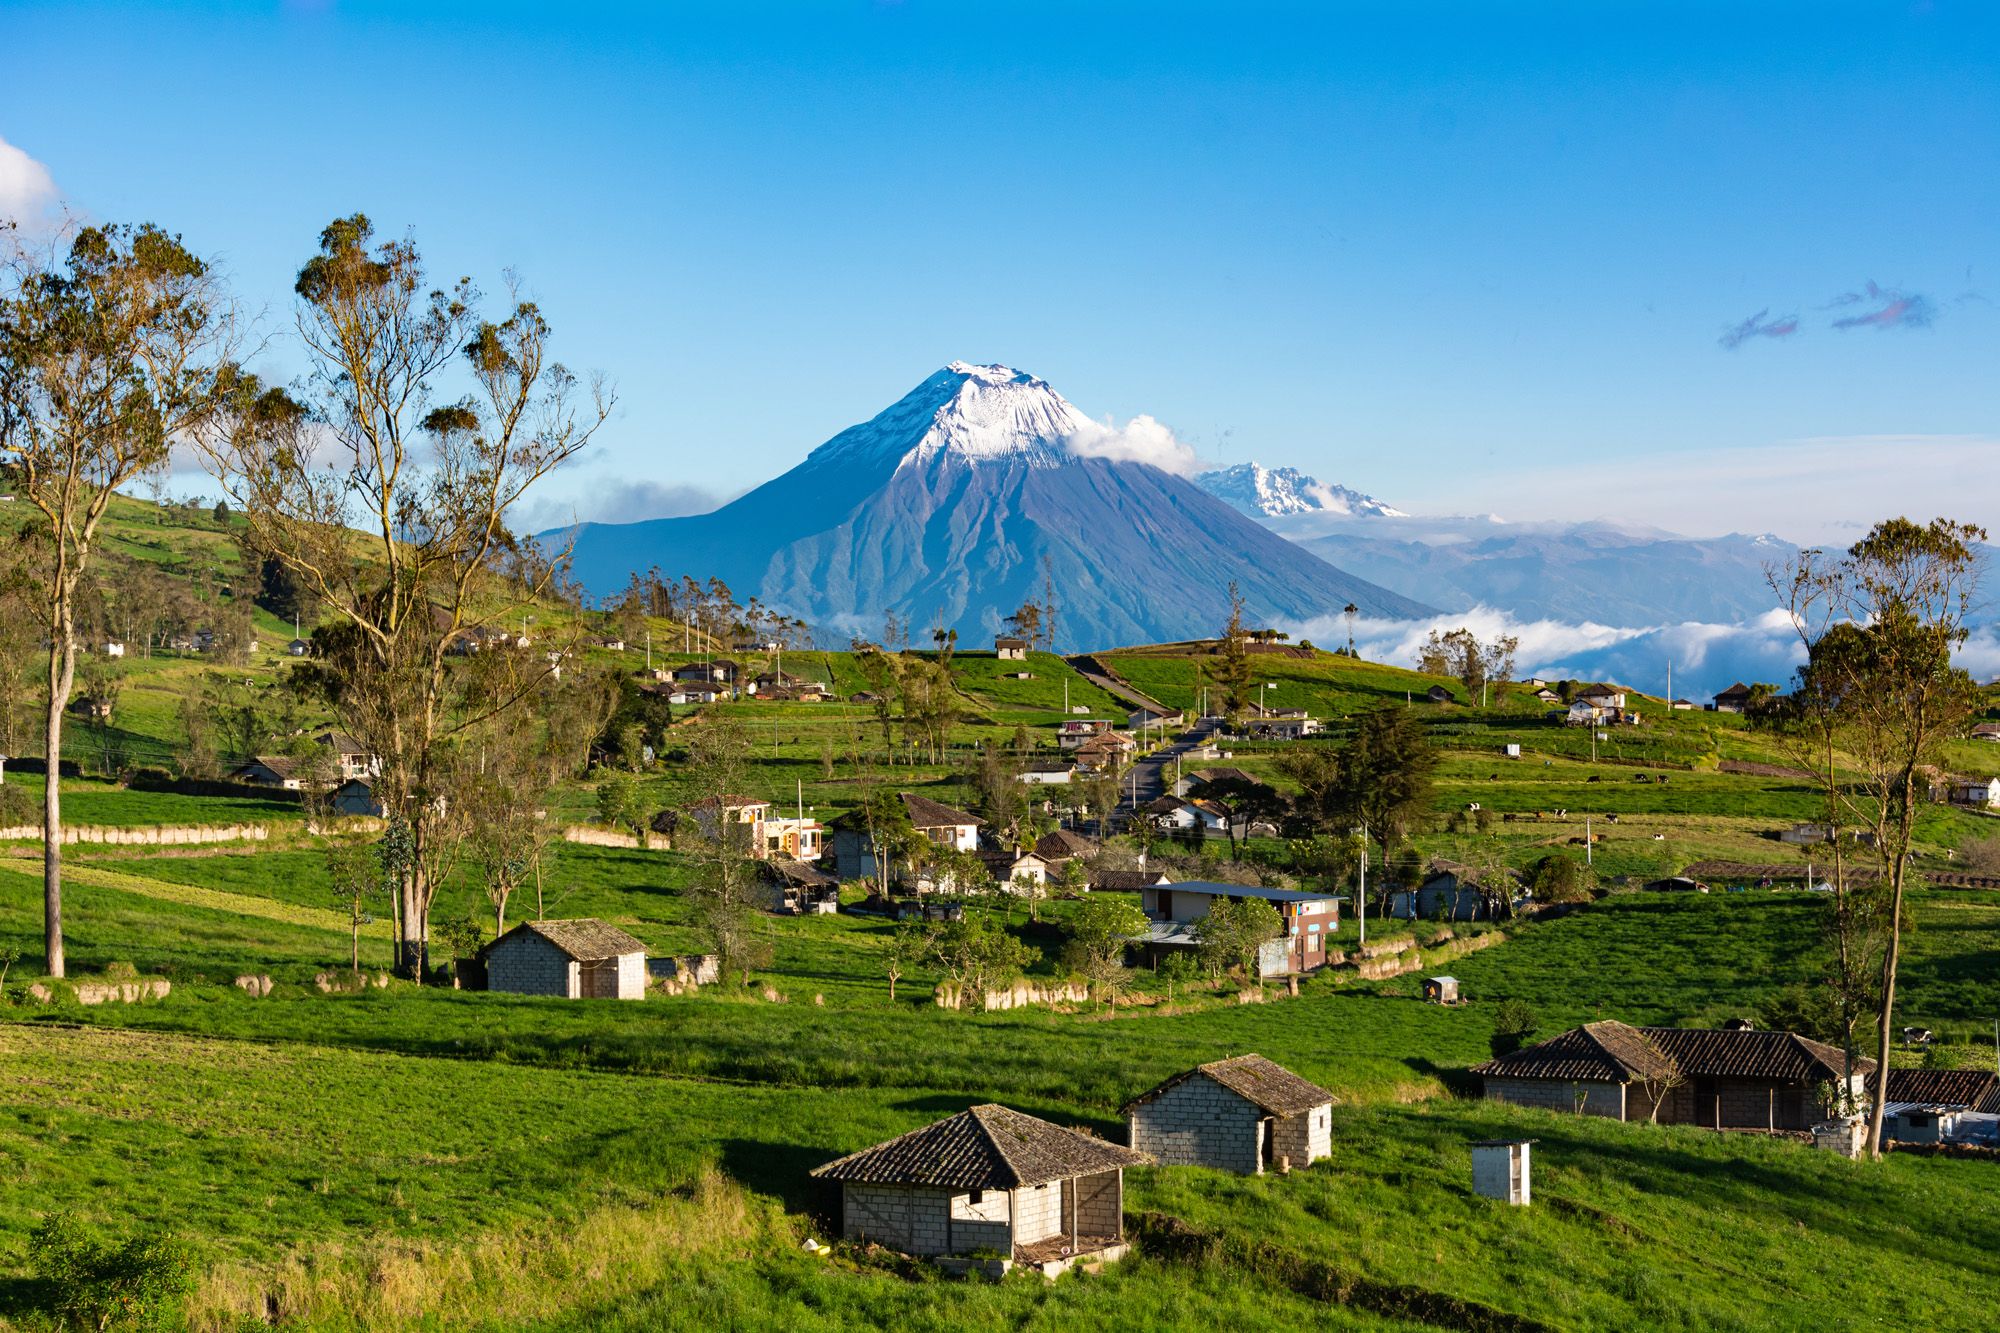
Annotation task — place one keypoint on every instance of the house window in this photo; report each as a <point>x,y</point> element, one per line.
<point>977,1197</point>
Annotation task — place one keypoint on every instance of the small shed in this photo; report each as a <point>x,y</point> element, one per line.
<point>1500,1170</point>
<point>988,1180</point>
<point>1441,990</point>
<point>583,959</point>
<point>1242,1114</point>
<point>1010,649</point>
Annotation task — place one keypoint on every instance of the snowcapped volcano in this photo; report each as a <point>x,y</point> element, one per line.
<point>975,413</point>
<point>1262,492</point>
<point>955,502</point>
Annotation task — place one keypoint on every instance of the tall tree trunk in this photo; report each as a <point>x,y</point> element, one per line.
<point>1898,871</point>
<point>62,676</point>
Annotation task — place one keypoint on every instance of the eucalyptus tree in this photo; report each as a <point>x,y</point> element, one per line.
<point>384,486</point>
<point>113,344</point>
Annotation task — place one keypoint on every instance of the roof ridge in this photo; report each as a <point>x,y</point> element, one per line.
<point>993,1139</point>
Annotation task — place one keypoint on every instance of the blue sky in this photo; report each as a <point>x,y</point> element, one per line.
<point>1466,257</point>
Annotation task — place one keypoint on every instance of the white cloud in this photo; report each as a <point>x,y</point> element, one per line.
<point>27,190</point>
<point>1706,657</point>
<point>1140,440</point>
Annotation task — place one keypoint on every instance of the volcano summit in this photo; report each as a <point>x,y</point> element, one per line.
<point>946,505</point>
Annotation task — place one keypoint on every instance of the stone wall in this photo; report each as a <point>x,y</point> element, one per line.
<point>981,1226</point>
<point>151,835</point>
<point>1303,1138</point>
<point>1198,1122</point>
<point>527,964</point>
<point>949,995</point>
<point>1599,1098</point>
<point>913,1220</point>
<point>1744,1104</point>
<point>1038,1212</point>
<point>1100,1204</point>
<point>585,835</point>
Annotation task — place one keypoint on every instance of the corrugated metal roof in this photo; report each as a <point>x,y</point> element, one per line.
<point>985,1147</point>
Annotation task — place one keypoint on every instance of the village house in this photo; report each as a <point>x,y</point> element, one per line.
<point>1017,872</point>
<point>271,770</point>
<point>1243,1114</point>
<point>746,822</point>
<point>1174,911</point>
<point>1438,694</point>
<point>355,759</point>
<point>793,888</point>
<point>988,1181</point>
<point>1072,732</point>
<point>854,853</point>
<point>356,797</point>
<point>1986,731</point>
<point>1732,700</point>
<point>1546,695</point>
<point>1682,705</point>
<point>1941,1106</point>
<point>1179,813</point>
<point>721,671</point>
<point>1064,845</point>
<point>583,959</point>
<point>689,691</point>
<point>1105,753</point>
<point>1047,773</point>
<point>1733,1078</point>
<point>1284,724</point>
<point>1450,891</point>
<point>1010,650</point>
<point>1611,698</point>
<point>1979,793</point>
<point>1153,719</point>
<point>298,648</point>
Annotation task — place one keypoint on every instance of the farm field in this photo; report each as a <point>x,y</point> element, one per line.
<point>598,1162</point>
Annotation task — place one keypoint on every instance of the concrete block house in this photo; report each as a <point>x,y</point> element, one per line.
<point>584,959</point>
<point>1730,1078</point>
<point>988,1181</point>
<point>1243,1114</point>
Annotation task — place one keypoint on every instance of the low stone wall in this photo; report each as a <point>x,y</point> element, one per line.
<point>589,836</point>
<point>950,995</point>
<point>103,992</point>
<point>1376,965</point>
<point>146,835</point>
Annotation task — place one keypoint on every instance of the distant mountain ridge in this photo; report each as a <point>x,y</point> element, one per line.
<point>1262,492</point>
<point>947,507</point>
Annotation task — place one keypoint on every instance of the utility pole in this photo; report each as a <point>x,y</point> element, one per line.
<point>1588,845</point>
<point>649,650</point>
<point>1361,894</point>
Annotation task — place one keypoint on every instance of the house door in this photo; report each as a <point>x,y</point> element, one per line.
<point>1267,1131</point>
<point>1707,1103</point>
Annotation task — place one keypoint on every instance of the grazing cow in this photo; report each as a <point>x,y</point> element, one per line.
<point>1593,778</point>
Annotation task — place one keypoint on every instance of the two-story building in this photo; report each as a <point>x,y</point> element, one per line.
<point>1174,911</point>
<point>855,855</point>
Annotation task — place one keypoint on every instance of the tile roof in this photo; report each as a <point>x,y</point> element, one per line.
<point>281,765</point>
<point>1610,1051</point>
<point>1976,1088</point>
<point>985,1147</point>
<point>784,870</point>
<point>926,813</point>
<point>585,939</point>
<point>1258,1081</point>
<point>1215,890</point>
<point>1063,843</point>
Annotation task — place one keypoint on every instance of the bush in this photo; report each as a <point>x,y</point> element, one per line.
<point>1513,1027</point>
<point>98,1285</point>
